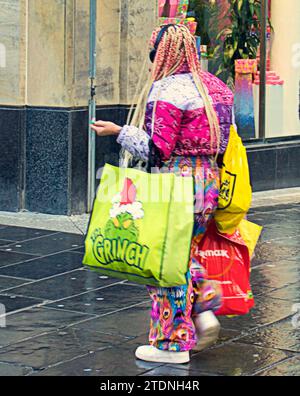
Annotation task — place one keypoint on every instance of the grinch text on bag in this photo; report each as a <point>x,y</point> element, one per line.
<point>107,251</point>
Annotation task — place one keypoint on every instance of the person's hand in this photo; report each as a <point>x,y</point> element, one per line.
<point>105,128</point>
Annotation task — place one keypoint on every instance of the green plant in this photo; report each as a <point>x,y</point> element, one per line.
<point>241,39</point>
<point>205,12</point>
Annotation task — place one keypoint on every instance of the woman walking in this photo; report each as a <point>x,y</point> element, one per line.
<point>181,123</point>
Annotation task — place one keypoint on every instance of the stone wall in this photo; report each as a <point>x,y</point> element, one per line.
<point>45,90</point>
<point>44,49</point>
<point>139,18</point>
<point>12,52</point>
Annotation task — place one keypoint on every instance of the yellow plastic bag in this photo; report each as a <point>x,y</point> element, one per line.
<point>235,192</point>
<point>250,233</point>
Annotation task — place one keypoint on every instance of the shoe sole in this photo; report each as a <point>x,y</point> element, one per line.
<point>169,359</point>
<point>210,338</point>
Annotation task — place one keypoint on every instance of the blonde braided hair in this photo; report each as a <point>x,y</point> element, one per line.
<point>177,47</point>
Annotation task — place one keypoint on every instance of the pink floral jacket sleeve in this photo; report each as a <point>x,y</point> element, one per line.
<point>180,126</point>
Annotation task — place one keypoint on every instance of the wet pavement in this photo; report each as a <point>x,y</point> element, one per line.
<point>65,320</point>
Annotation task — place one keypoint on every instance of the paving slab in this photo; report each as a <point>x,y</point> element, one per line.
<point>65,285</point>
<point>288,368</point>
<point>113,361</point>
<point>43,267</point>
<point>266,311</point>
<point>275,275</point>
<point>14,303</point>
<point>56,347</point>
<point>290,293</point>
<point>20,234</point>
<point>32,322</point>
<point>14,370</point>
<point>8,282</point>
<point>48,244</point>
<point>105,300</point>
<point>235,359</point>
<point>66,320</point>
<point>7,257</point>
<point>131,322</point>
<point>281,335</point>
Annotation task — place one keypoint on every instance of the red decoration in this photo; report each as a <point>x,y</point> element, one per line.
<point>128,194</point>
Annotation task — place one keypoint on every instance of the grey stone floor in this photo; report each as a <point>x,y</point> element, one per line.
<point>78,224</point>
<point>64,320</point>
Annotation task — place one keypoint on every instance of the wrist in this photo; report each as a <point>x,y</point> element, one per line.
<point>117,130</point>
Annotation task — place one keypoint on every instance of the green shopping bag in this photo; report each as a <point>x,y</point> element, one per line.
<point>141,227</point>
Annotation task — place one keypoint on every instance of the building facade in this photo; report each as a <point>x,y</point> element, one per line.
<point>45,89</point>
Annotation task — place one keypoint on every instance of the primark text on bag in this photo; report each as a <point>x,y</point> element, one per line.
<point>227,261</point>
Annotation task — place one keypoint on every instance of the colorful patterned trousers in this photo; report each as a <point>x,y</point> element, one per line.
<point>172,327</point>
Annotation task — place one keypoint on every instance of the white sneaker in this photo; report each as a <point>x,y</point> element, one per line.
<point>207,330</point>
<point>149,353</point>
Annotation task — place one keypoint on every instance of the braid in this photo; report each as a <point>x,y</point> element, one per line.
<point>177,47</point>
<point>195,68</point>
<point>176,58</point>
<point>172,58</point>
<point>160,59</point>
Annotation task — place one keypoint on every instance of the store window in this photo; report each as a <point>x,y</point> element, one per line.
<point>282,99</point>
<point>253,46</point>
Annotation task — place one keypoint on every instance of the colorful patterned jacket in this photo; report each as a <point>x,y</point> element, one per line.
<point>181,127</point>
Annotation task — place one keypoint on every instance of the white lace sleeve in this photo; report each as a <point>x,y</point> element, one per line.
<point>135,141</point>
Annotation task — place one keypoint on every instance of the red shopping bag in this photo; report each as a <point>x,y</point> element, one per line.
<point>227,261</point>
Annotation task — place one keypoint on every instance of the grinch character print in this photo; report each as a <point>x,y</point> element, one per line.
<point>120,240</point>
<point>125,211</point>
